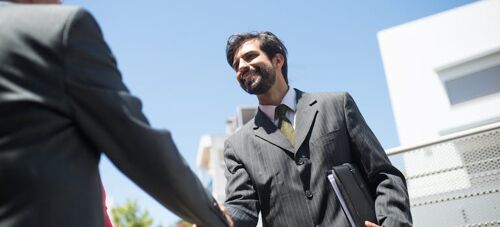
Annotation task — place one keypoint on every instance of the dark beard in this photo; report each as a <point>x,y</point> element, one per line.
<point>267,79</point>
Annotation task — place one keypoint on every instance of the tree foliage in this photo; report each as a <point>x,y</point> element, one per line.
<point>130,215</point>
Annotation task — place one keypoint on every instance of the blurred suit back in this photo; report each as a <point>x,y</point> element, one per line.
<point>62,103</point>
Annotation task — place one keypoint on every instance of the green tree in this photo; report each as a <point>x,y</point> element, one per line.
<point>130,215</point>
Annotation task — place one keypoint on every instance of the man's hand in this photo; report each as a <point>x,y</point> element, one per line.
<point>228,218</point>
<point>370,224</point>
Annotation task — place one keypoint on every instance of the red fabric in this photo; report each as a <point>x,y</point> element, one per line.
<point>107,221</point>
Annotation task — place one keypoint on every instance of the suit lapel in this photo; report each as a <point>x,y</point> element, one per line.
<point>307,110</point>
<point>266,130</point>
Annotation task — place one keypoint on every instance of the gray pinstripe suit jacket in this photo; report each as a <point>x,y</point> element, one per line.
<point>288,185</point>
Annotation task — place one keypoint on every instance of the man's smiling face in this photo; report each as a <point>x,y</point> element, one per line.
<point>254,70</point>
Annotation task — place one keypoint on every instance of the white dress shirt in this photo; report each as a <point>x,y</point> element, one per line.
<point>289,100</point>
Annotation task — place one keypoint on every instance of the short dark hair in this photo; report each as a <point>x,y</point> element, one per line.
<point>269,43</point>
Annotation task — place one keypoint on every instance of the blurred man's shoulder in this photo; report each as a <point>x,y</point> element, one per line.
<point>42,8</point>
<point>43,13</point>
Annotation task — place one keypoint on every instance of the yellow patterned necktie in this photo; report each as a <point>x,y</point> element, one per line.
<point>284,123</point>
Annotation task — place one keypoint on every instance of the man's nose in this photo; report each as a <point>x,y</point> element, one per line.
<point>243,65</point>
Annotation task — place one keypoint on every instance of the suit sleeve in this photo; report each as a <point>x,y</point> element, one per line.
<point>391,196</point>
<point>242,201</point>
<point>112,120</point>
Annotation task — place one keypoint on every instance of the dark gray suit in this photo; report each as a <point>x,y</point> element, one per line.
<point>289,184</point>
<point>62,103</point>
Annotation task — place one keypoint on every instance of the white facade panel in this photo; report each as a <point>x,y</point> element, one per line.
<point>417,56</point>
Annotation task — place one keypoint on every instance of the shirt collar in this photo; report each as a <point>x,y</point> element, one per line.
<point>289,100</point>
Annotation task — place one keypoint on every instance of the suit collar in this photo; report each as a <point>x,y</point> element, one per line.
<point>289,100</point>
<point>306,113</point>
<point>266,130</point>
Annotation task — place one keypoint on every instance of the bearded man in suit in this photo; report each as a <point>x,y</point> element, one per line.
<point>62,104</point>
<point>277,162</point>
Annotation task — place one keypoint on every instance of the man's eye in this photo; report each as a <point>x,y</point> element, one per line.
<point>252,56</point>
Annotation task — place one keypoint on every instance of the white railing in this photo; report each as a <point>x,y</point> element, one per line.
<point>454,180</point>
<point>403,149</point>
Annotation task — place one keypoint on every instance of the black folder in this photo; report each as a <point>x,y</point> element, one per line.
<point>353,194</point>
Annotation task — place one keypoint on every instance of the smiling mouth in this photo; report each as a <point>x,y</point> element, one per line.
<point>249,75</point>
<point>253,81</point>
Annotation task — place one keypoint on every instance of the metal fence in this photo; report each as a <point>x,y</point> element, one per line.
<point>454,180</point>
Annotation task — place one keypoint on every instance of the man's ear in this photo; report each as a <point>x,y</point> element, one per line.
<point>279,60</point>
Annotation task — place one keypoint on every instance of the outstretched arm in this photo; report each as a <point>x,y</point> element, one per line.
<point>111,119</point>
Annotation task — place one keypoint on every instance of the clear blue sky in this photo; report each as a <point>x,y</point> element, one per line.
<point>172,55</point>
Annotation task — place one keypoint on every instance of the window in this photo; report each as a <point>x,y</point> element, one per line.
<point>472,78</point>
<point>473,85</point>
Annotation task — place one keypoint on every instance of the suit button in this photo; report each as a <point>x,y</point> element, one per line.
<point>301,161</point>
<point>309,194</point>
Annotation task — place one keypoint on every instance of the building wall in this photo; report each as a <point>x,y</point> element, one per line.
<point>419,56</point>
<point>443,74</point>
<point>210,162</point>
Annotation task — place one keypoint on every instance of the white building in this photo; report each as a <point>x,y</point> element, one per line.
<point>210,158</point>
<point>443,71</point>
<point>443,74</point>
